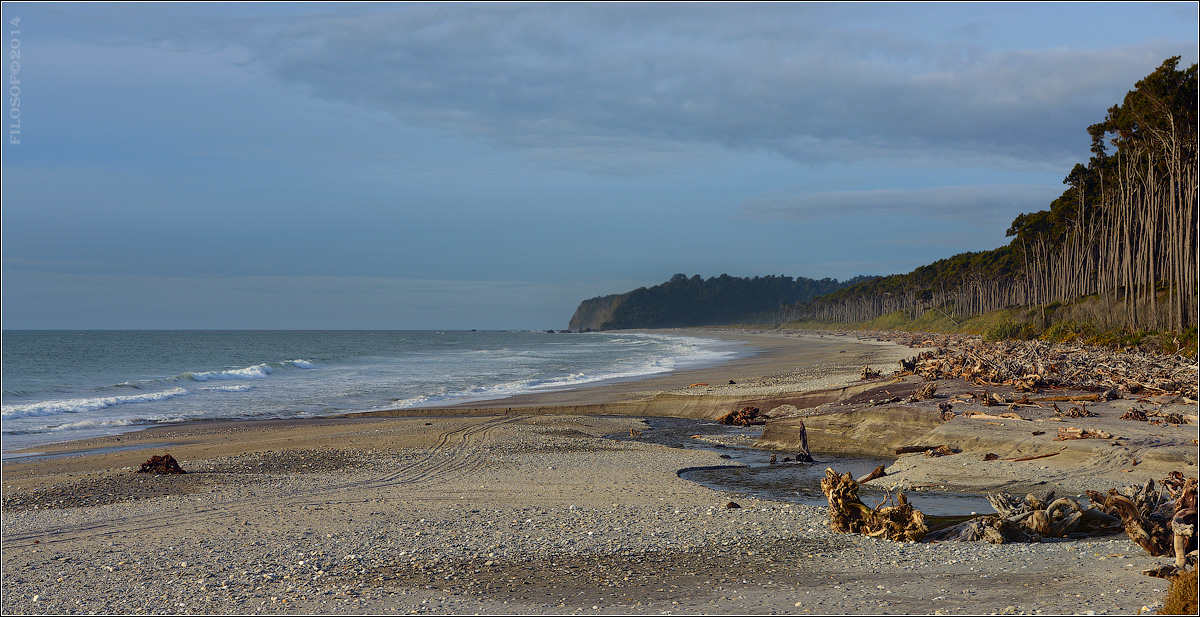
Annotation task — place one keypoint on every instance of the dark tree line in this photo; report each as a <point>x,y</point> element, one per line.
<point>694,301</point>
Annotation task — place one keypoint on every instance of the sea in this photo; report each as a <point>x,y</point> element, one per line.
<point>65,385</point>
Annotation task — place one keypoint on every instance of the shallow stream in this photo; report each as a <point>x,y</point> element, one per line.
<point>751,473</point>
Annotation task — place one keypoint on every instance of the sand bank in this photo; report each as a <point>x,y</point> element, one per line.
<point>508,509</point>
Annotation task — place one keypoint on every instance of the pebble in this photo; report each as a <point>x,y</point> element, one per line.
<point>387,555</point>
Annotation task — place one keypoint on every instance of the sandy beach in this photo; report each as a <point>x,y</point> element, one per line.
<point>527,505</point>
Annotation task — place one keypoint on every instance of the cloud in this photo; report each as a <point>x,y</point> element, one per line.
<point>795,80</point>
<point>982,206</point>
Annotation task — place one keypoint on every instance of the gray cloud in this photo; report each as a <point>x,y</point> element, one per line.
<point>793,80</point>
<point>979,205</point>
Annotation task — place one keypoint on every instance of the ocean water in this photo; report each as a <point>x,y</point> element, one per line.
<point>65,385</point>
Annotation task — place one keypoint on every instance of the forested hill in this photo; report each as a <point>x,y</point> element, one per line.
<point>682,302</point>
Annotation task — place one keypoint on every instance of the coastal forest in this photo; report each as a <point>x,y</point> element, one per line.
<point>1117,249</point>
<point>683,302</point>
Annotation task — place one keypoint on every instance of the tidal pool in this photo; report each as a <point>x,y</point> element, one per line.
<point>751,473</point>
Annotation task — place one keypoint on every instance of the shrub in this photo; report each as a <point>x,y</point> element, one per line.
<point>1009,330</point>
<point>1181,597</point>
<point>1068,330</point>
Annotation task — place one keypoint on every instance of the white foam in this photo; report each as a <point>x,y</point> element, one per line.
<point>242,387</point>
<point>76,405</point>
<point>258,371</point>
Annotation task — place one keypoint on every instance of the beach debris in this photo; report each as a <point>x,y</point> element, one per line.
<point>1008,415</point>
<point>878,472</point>
<point>926,391</point>
<point>991,399</point>
<point>1163,522</point>
<point>1162,571</point>
<point>744,417</point>
<point>1072,432</point>
<point>160,465</point>
<point>803,455</point>
<point>1075,412</point>
<point>733,504</point>
<point>1054,518</point>
<point>1135,414</point>
<point>992,529</point>
<point>1032,458</point>
<point>869,373</point>
<point>1030,366</point>
<point>991,456</point>
<point>1174,418</point>
<point>773,459</point>
<point>942,450</point>
<point>848,514</point>
<point>697,385</point>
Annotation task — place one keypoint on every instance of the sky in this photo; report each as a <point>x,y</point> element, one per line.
<point>438,166</point>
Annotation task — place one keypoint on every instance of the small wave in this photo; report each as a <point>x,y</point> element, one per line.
<point>242,387</point>
<point>258,371</point>
<point>92,424</point>
<point>76,405</point>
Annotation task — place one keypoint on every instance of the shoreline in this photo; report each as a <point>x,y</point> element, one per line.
<point>774,354</point>
<point>528,511</point>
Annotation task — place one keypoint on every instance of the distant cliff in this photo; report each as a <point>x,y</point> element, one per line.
<point>683,302</point>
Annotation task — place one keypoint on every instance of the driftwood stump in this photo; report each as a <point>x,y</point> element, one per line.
<point>161,464</point>
<point>803,455</point>
<point>1163,522</point>
<point>848,514</point>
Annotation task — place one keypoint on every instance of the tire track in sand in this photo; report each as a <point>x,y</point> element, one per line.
<point>447,458</point>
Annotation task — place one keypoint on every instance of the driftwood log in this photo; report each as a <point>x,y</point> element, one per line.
<point>161,464</point>
<point>876,473</point>
<point>1054,518</point>
<point>993,529</point>
<point>743,417</point>
<point>1072,432</point>
<point>1163,522</point>
<point>942,450</point>
<point>848,514</point>
<point>926,391</point>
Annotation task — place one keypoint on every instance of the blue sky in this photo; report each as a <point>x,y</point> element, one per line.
<point>491,165</point>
